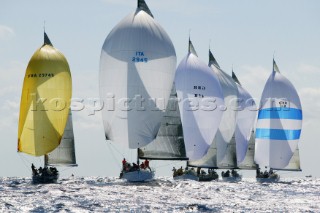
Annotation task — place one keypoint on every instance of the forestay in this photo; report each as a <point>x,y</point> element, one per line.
<point>45,101</point>
<point>200,95</point>
<point>137,68</point>
<point>279,122</point>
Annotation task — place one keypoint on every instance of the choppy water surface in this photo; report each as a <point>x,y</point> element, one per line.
<point>98,194</point>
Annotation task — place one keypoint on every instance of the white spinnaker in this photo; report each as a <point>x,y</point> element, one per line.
<point>200,93</point>
<point>245,121</point>
<point>279,122</point>
<point>228,122</point>
<point>137,68</point>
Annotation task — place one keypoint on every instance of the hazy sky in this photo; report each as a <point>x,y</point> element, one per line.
<point>243,33</point>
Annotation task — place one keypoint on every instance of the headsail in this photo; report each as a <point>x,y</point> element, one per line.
<point>200,95</point>
<point>64,154</point>
<point>248,161</point>
<point>246,116</point>
<point>45,101</point>
<point>169,144</point>
<point>228,122</point>
<point>279,122</point>
<point>137,67</point>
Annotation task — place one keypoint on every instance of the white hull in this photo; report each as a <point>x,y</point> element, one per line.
<point>138,176</point>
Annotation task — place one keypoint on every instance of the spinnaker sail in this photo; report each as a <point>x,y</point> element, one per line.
<point>137,67</point>
<point>279,122</point>
<point>45,101</point>
<point>200,96</point>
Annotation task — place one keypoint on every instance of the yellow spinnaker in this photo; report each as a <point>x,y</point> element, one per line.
<point>45,101</point>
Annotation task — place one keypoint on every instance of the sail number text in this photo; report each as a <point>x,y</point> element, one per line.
<point>139,57</point>
<point>40,75</point>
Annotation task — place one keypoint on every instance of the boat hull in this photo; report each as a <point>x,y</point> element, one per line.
<point>232,179</point>
<point>272,179</point>
<point>42,179</point>
<point>188,176</point>
<point>138,176</point>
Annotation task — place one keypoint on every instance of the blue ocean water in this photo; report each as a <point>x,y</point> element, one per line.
<point>105,194</point>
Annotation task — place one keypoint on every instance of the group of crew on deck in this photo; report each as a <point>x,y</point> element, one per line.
<point>265,174</point>
<point>233,173</point>
<point>199,172</point>
<point>127,167</point>
<point>46,171</point>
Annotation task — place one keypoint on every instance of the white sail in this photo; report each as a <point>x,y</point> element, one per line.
<point>246,116</point>
<point>64,154</point>
<point>200,96</point>
<point>137,68</point>
<point>228,122</point>
<point>169,144</point>
<point>248,162</point>
<point>279,122</point>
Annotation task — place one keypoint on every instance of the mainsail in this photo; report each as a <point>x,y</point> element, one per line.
<point>64,154</point>
<point>279,122</point>
<point>137,67</point>
<point>169,144</point>
<point>246,115</point>
<point>45,101</point>
<point>225,149</point>
<point>200,96</point>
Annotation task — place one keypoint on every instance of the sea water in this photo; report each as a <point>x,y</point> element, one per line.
<point>105,194</point>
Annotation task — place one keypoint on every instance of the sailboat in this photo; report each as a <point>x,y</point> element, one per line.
<point>201,96</point>
<point>278,127</point>
<point>137,67</point>
<point>44,106</point>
